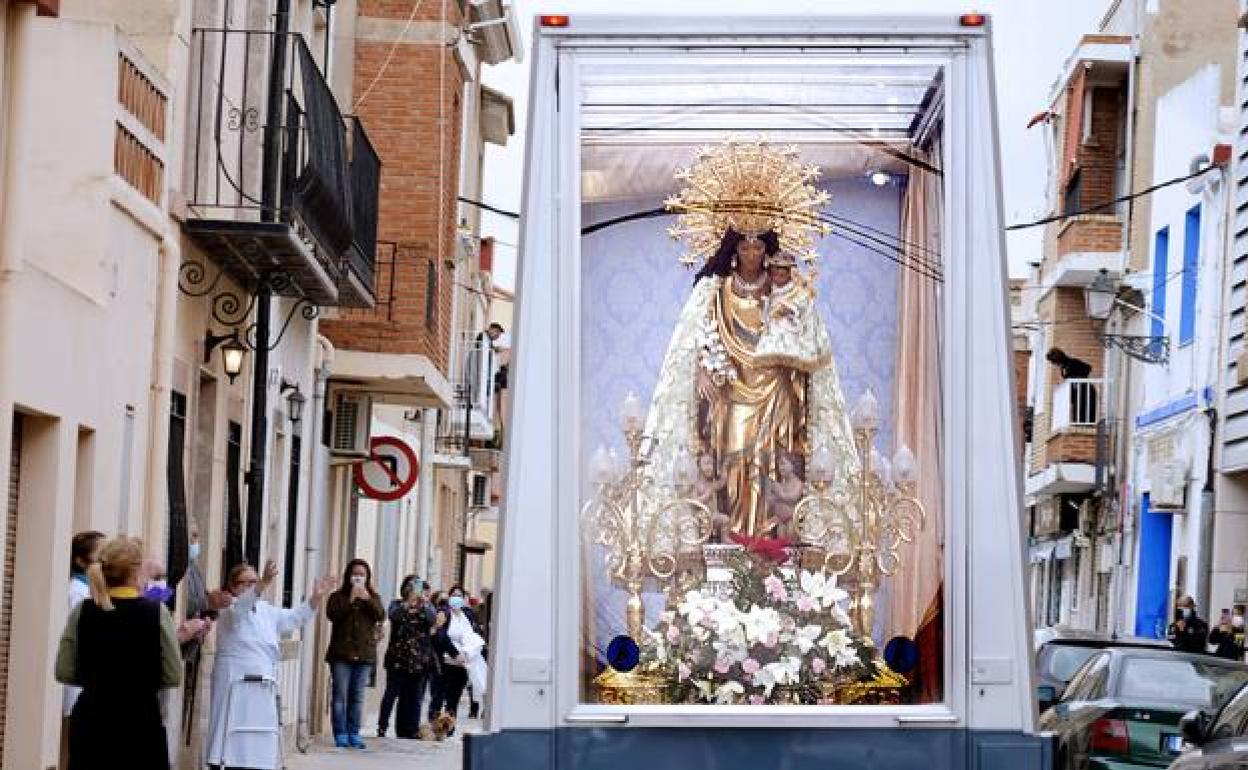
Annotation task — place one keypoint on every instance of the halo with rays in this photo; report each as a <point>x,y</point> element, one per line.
<point>749,186</point>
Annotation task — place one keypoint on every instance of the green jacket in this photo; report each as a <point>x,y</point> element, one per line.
<point>353,637</point>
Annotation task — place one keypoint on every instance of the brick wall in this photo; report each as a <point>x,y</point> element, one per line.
<point>1090,232</point>
<point>413,116</point>
<point>1071,330</point>
<point>10,562</point>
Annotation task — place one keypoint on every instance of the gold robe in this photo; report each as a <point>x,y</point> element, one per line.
<point>754,418</point>
<point>794,405</point>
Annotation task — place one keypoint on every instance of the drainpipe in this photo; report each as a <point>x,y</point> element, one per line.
<point>155,502</point>
<point>315,545</point>
<point>424,492</point>
<point>15,23</point>
<point>1204,559</point>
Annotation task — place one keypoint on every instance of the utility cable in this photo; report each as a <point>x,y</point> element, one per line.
<point>1115,201</point>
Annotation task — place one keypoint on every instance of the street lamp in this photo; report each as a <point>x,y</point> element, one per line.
<point>232,352</point>
<point>1101,297</point>
<point>294,402</point>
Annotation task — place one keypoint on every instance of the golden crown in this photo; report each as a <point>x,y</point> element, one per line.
<point>750,187</point>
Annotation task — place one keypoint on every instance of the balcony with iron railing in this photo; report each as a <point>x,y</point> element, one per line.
<point>282,185</point>
<point>1075,405</point>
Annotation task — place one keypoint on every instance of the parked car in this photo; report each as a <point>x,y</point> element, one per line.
<point>1122,708</point>
<point>1060,652</point>
<point>1216,740</point>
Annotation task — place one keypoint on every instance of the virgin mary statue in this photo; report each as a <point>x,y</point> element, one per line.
<point>748,388</point>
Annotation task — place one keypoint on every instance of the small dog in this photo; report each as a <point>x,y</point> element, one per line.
<point>443,725</point>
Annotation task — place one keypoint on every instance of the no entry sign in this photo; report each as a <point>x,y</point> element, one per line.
<point>390,470</point>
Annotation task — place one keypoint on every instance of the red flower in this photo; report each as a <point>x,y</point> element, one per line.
<point>771,549</point>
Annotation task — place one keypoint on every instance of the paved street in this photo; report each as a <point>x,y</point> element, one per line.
<point>386,753</point>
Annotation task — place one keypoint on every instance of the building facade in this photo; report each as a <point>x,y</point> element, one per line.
<point>1127,524</point>
<point>233,223</point>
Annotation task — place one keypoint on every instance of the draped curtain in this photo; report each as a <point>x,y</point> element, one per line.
<point>915,589</point>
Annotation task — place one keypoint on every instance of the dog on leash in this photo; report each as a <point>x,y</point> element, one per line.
<point>442,725</point>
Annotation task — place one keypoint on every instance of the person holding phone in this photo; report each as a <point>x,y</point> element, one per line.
<point>354,611</point>
<point>1228,636</point>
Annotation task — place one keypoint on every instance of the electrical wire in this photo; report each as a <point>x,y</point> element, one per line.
<point>1115,201</point>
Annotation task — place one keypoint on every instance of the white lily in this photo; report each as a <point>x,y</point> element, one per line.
<point>761,623</point>
<point>822,588</point>
<point>728,691</point>
<point>840,648</point>
<point>806,637</point>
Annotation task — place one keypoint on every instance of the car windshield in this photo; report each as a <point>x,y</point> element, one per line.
<point>1064,660</point>
<point>1179,680</point>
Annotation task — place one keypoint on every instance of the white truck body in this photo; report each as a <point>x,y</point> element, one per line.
<point>537,714</point>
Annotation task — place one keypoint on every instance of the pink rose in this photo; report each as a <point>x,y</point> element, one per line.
<point>750,666</point>
<point>757,700</point>
<point>722,665</point>
<point>683,671</point>
<point>673,634</point>
<point>806,604</point>
<point>818,666</point>
<point>772,640</point>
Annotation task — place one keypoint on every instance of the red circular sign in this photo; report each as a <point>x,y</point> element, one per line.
<point>390,471</point>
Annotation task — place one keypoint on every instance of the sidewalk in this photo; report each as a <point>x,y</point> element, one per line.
<point>387,753</point>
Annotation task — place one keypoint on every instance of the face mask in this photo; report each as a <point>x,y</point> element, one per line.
<point>456,602</point>
<point>358,581</point>
<point>193,551</point>
<point>158,590</point>
<point>1186,612</point>
<point>1237,621</point>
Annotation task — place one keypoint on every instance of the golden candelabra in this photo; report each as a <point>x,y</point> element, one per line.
<point>647,531</point>
<point>861,519</point>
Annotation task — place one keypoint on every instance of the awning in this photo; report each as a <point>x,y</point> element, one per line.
<point>392,378</point>
<point>1062,478</point>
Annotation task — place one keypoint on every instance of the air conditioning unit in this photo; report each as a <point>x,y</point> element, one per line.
<point>349,434</point>
<point>1168,485</point>
<point>478,490</point>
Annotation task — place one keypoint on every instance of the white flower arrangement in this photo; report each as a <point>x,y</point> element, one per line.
<point>713,355</point>
<point>786,629</point>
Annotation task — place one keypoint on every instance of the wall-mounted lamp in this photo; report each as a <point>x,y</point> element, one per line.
<point>294,402</point>
<point>232,351</point>
<point>1101,297</point>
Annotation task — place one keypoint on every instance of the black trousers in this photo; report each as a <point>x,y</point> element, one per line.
<point>454,680</point>
<point>408,690</point>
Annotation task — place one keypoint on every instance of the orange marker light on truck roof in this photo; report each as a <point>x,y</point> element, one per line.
<point>972,19</point>
<point>555,20</point>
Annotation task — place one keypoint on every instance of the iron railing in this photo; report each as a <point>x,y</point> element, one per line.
<point>328,172</point>
<point>365,179</point>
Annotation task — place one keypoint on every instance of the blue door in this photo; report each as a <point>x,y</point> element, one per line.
<point>1153,574</point>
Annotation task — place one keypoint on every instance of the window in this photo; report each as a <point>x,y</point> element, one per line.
<point>1072,202</point>
<point>1191,266</point>
<point>233,501</point>
<point>1085,682</point>
<point>431,295</point>
<point>1230,723</point>
<point>292,522</point>
<point>1161,257</point>
<point>1175,679</point>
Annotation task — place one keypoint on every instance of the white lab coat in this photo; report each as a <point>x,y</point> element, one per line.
<point>248,633</point>
<point>78,590</point>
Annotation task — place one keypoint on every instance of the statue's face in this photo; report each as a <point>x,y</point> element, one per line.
<point>750,253</point>
<point>706,464</point>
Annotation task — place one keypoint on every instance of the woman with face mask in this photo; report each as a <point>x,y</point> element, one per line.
<point>1228,637</point>
<point>460,647</point>
<point>249,633</point>
<point>354,611</point>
